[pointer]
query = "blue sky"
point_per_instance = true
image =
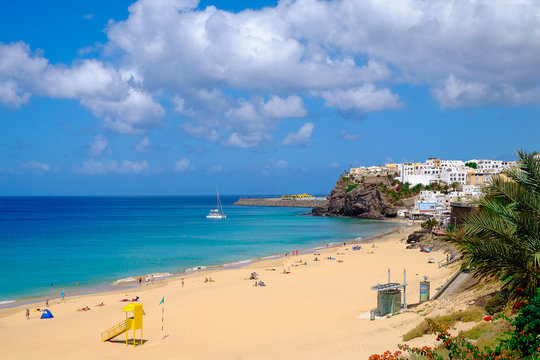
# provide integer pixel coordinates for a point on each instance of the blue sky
(256, 97)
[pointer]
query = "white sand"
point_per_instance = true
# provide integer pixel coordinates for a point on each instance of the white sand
(311, 313)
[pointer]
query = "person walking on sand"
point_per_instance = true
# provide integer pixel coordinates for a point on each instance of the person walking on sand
(27, 314)
(182, 282)
(47, 302)
(62, 295)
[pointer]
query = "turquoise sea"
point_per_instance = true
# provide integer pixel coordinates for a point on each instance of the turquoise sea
(49, 243)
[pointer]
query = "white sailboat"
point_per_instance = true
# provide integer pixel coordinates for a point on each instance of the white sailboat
(217, 213)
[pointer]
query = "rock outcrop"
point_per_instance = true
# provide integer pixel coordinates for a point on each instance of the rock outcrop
(363, 201)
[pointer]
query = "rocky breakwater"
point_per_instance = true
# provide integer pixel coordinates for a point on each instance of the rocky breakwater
(361, 200)
(282, 203)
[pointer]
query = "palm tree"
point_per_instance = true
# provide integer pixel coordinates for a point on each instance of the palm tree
(430, 224)
(502, 239)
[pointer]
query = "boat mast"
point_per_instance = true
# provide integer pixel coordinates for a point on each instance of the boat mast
(219, 202)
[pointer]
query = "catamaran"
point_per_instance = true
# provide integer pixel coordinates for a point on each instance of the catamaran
(217, 213)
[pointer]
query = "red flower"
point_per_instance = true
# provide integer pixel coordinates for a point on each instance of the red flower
(518, 305)
(487, 318)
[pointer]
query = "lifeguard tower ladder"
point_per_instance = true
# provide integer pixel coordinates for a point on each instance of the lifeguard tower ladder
(131, 323)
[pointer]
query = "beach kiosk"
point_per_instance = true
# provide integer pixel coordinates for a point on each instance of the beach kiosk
(132, 322)
(389, 296)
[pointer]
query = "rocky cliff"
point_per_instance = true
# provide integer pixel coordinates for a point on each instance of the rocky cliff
(363, 201)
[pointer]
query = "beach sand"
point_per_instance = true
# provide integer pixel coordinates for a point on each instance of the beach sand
(318, 311)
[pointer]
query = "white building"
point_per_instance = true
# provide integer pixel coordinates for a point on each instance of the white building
(452, 164)
(487, 166)
(455, 174)
(473, 191)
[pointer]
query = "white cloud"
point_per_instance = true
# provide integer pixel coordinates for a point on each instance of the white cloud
(143, 145)
(279, 164)
(334, 164)
(183, 165)
(314, 45)
(201, 131)
(35, 166)
(94, 167)
(274, 164)
(107, 91)
(88, 16)
(130, 115)
(347, 136)
(98, 145)
(10, 96)
(290, 107)
(216, 168)
(235, 76)
(301, 137)
(246, 141)
(366, 98)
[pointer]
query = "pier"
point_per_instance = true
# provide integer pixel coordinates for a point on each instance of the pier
(305, 203)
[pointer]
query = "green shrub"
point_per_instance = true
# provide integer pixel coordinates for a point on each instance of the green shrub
(525, 337)
(472, 314)
(350, 187)
(418, 331)
(496, 303)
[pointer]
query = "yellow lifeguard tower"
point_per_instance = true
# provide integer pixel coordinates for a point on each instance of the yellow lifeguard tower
(131, 323)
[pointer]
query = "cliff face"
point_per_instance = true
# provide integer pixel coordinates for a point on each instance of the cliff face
(365, 201)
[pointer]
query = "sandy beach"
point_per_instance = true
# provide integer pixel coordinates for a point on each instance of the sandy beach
(317, 311)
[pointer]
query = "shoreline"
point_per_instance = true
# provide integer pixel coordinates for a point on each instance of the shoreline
(97, 289)
(315, 305)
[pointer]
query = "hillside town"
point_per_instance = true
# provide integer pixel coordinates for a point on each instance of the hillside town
(443, 185)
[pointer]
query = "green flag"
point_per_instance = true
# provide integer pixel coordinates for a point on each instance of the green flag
(162, 301)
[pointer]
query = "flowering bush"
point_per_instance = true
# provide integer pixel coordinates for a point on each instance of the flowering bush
(387, 355)
(524, 341)
(526, 336)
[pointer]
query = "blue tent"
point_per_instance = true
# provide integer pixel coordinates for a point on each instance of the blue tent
(46, 314)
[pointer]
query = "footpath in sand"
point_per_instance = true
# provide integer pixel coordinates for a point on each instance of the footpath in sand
(317, 311)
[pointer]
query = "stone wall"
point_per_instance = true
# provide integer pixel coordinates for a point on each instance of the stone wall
(282, 203)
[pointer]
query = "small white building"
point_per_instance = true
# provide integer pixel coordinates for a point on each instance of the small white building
(452, 164)
(473, 191)
(487, 166)
(455, 174)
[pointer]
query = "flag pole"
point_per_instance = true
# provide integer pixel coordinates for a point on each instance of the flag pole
(162, 303)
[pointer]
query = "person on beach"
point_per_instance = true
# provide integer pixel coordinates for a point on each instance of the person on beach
(182, 282)
(62, 295)
(47, 302)
(140, 281)
(77, 284)
(27, 314)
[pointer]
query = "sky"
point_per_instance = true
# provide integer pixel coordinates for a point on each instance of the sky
(180, 97)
